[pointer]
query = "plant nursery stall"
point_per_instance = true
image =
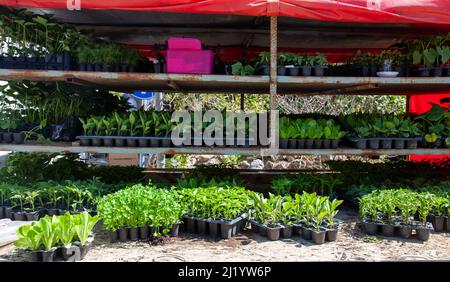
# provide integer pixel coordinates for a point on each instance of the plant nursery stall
(81, 52)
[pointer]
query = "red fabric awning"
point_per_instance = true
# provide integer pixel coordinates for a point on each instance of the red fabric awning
(362, 11)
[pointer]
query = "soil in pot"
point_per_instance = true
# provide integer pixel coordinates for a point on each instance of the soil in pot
(273, 233)
(286, 231)
(85, 142)
(113, 236)
(399, 144)
(331, 235)
(438, 223)
(32, 216)
(386, 144)
(131, 143)
(292, 144)
(374, 144)
(306, 233)
(309, 143)
(97, 142)
(123, 234)
(174, 230)
(370, 228)
(18, 138)
(318, 236)
(143, 232)
(142, 142)
(119, 142)
(405, 231)
(284, 144)
(108, 142)
(423, 233)
(387, 230)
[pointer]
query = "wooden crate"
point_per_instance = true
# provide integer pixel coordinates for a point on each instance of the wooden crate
(123, 159)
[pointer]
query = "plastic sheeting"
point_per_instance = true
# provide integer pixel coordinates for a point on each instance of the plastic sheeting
(363, 11)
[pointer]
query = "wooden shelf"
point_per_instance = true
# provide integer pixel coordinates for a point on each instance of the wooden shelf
(193, 83)
(67, 147)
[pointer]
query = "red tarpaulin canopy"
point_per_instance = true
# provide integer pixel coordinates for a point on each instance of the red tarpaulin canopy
(363, 11)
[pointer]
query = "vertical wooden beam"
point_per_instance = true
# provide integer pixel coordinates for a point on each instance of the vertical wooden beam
(273, 82)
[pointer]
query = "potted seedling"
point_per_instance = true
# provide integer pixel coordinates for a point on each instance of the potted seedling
(407, 206)
(285, 132)
(424, 206)
(438, 209)
(132, 129)
(274, 205)
(84, 224)
(318, 232)
(30, 200)
(239, 69)
(318, 66)
(330, 208)
(369, 213)
(122, 125)
(66, 234)
(7, 124)
(296, 60)
(264, 63)
(17, 202)
(283, 60)
(109, 124)
(88, 128)
(146, 124)
(98, 130)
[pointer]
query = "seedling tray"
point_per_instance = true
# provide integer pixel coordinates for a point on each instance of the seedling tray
(422, 233)
(440, 223)
(384, 142)
(214, 228)
(62, 61)
(309, 144)
(75, 252)
(140, 233)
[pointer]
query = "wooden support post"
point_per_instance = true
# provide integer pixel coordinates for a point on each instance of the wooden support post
(273, 83)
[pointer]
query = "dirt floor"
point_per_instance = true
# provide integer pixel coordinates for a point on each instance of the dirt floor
(351, 245)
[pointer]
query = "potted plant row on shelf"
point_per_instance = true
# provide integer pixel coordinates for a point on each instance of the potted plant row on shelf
(320, 183)
(215, 211)
(400, 212)
(140, 212)
(307, 215)
(293, 64)
(48, 198)
(59, 238)
(376, 131)
(436, 127)
(309, 133)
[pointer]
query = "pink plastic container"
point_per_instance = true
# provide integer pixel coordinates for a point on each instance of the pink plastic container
(176, 43)
(190, 61)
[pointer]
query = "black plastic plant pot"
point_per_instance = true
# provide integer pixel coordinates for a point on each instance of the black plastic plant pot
(2, 212)
(35, 256)
(262, 230)
(281, 70)
(166, 143)
(151, 231)
(32, 216)
(423, 233)
(113, 236)
(399, 144)
(213, 229)
(326, 143)
(437, 71)
(143, 232)
(123, 234)
(18, 138)
(318, 236)
(404, 231)
(360, 143)
(142, 142)
(7, 137)
(286, 231)
(309, 143)
(154, 143)
(226, 231)
(446, 71)
(306, 70)
(273, 233)
(131, 142)
(386, 144)
(201, 225)
(422, 72)
(411, 144)
(388, 230)
(66, 251)
(7, 212)
(373, 70)
(134, 233)
(119, 142)
(84, 250)
(374, 144)
(190, 225)
(331, 235)
(438, 223)
(48, 256)
(82, 67)
(318, 143)
(297, 230)
(108, 142)
(284, 144)
(174, 230)
(98, 67)
(19, 216)
(85, 142)
(301, 143)
(447, 223)
(334, 144)
(370, 228)
(97, 142)
(295, 71)
(306, 233)
(292, 144)
(265, 70)
(365, 71)
(318, 70)
(90, 67)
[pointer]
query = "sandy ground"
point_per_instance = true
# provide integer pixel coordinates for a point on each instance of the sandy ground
(351, 245)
